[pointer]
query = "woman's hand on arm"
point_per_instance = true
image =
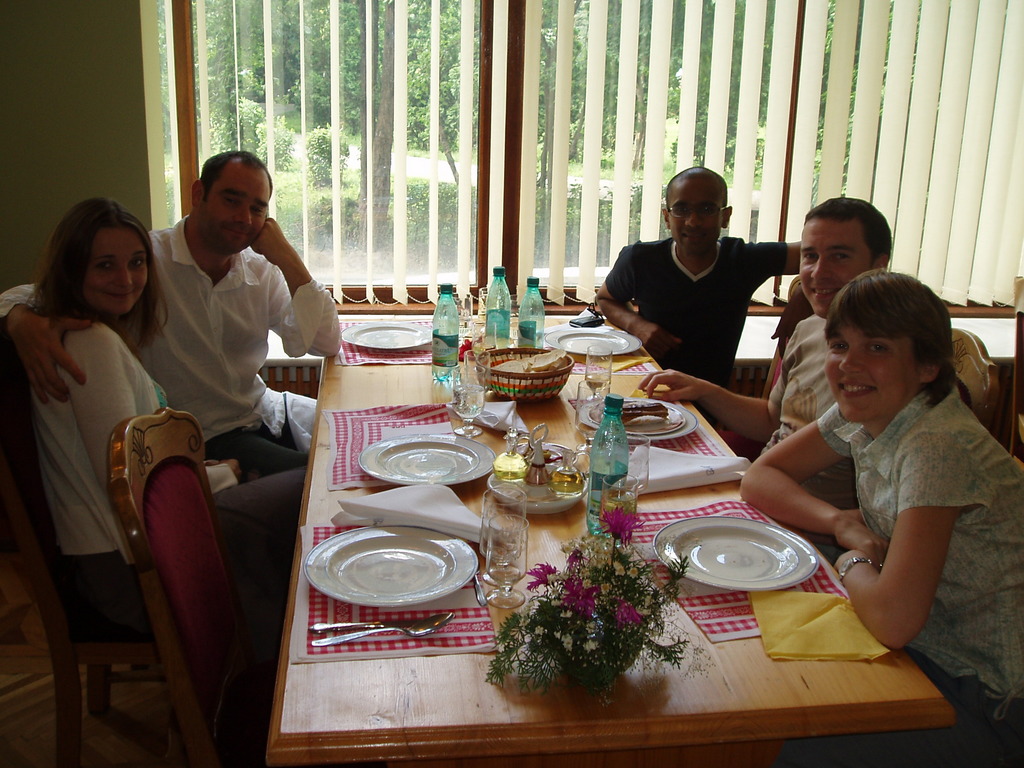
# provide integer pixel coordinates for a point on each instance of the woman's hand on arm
(894, 601)
(772, 484)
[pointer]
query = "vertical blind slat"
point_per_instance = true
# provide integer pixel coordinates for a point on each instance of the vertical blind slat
(949, 136)
(721, 77)
(837, 102)
(657, 113)
(336, 156)
(528, 164)
(559, 181)
(592, 128)
(269, 75)
(498, 92)
(625, 125)
(400, 169)
(689, 79)
(868, 99)
(467, 177)
(924, 102)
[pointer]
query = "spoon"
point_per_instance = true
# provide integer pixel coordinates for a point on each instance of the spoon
(416, 628)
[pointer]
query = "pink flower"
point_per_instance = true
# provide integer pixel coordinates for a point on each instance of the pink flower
(580, 599)
(621, 525)
(626, 614)
(574, 559)
(540, 573)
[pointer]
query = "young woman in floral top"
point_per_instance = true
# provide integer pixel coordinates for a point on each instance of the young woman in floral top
(934, 560)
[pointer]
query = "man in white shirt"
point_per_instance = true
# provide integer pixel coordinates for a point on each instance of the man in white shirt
(228, 276)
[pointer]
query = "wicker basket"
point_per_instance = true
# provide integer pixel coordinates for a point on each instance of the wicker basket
(524, 386)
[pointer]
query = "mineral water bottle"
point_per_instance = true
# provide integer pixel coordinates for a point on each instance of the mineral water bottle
(609, 456)
(531, 316)
(445, 343)
(499, 311)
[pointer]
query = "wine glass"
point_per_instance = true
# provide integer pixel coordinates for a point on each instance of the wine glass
(640, 460)
(619, 492)
(468, 403)
(499, 499)
(598, 371)
(505, 548)
(587, 406)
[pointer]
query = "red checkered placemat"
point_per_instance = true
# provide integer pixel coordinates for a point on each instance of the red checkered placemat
(698, 441)
(352, 431)
(724, 614)
(353, 354)
(471, 631)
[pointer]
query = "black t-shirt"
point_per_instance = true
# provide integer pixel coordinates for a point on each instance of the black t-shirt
(708, 315)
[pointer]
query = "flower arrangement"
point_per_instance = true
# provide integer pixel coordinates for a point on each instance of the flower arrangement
(604, 613)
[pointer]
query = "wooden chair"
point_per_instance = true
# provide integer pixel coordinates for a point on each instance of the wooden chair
(1017, 415)
(75, 634)
(977, 375)
(160, 491)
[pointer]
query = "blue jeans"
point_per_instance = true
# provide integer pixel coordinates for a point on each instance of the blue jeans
(977, 740)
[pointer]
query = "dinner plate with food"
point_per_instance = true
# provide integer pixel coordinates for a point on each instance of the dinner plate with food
(643, 416)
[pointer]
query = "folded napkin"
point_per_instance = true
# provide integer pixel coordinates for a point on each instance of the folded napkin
(810, 625)
(670, 470)
(499, 416)
(427, 506)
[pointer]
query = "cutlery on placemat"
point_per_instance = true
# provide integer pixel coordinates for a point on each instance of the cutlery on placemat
(416, 628)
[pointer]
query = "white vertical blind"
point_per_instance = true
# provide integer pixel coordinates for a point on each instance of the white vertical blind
(592, 128)
(531, 110)
(270, 75)
(867, 99)
(657, 113)
(370, 54)
(721, 76)
(688, 81)
(625, 124)
(336, 156)
(202, 81)
(401, 158)
(1000, 235)
(837, 103)
(558, 215)
(498, 92)
(467, 176)
(748, 108)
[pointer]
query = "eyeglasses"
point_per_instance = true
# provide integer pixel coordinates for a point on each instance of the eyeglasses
(706, 211)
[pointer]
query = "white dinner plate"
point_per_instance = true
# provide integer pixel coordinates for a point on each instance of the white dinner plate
(387, 335)
(576, 340)
(679, 422)
(736, 553)
(390, 565)
(421, 459)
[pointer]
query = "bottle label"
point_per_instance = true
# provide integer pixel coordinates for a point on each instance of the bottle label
(445, 350)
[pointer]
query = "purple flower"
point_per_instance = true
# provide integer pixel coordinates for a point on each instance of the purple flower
(540, 574)
(580, 599)
(626, 614)
(621, 525)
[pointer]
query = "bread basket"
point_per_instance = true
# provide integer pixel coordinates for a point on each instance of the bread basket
(539, 385)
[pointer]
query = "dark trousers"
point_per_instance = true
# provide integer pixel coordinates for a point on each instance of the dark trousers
(257, 451)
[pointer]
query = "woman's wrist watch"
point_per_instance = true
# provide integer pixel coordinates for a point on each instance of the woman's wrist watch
(849, 563)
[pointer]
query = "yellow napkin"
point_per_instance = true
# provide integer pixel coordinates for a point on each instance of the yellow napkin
(619, 362)
(812, 625)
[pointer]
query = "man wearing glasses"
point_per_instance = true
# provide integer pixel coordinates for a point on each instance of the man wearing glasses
(686, 297)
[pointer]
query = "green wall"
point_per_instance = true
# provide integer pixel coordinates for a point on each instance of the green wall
(73, 122)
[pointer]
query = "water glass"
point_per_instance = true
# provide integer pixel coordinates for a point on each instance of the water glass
(501, 499)
(468, 403)
(598, 373)
(507, 538)
(619, 491)
(588, 412)
(640, 460)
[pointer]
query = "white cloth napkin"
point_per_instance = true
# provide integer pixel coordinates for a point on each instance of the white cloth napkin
(499, 416)
(427, 506)
(670, 470)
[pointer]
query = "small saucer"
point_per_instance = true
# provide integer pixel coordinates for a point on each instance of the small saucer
(540, 500)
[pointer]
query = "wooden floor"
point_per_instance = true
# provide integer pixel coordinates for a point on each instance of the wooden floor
(132, 733)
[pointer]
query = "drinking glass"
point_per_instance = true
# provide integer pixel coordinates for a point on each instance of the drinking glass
(619, 491)
(598, 372)
(472, 370)
(588, 412)
(468, 402)
(501, 499)
(640, 460)
(506, 544)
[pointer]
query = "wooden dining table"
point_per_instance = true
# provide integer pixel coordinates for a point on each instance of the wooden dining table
(440, 711)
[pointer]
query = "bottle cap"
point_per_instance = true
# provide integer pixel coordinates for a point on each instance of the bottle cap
(613, 403)
(533, 281)
(499, 271)
(446, 287)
